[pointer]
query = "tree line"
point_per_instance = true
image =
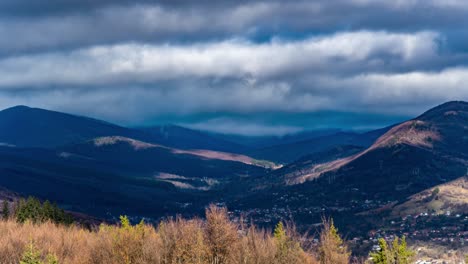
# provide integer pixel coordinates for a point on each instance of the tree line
(32, 209)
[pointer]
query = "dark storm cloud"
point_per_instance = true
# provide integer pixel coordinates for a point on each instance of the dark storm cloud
(35, 26)
(135, 61)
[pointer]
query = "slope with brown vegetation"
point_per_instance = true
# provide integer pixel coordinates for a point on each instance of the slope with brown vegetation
(451, 196)
(440, 131)
(214, 241)
(201, 153)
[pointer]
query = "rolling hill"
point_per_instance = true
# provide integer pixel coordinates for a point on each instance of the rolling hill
(185, 138)
(408, 159)
(106, 177)
(450, 197)
(23, 126)
(61, 157)
(145, 159)
(293, 150)
(422, 146)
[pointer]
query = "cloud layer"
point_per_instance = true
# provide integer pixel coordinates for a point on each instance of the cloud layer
(134, 61)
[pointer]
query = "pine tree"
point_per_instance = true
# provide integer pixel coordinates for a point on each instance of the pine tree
(35, 208)
(31, 255)
(125, 222)
(394, 250)
(5, 210)
(47, 212)
(397, 254)
(35, 211)
(280, 233)
(289, 249)
(332, 249)
(20, 212)
(281, 241)
(382, 255)
(404, 255)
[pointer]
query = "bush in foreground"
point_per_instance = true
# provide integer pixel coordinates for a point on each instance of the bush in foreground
(215, 240)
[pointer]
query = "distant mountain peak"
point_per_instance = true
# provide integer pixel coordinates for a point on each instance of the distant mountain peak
(438, 124)
(451, 108)
(441, 129)
(17, 107)
(415, 132)
(452, 104)
(24, 126)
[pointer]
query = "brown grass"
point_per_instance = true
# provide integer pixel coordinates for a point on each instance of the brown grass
(414, 133)
(452, 196)
(214, 241)
(203, 153)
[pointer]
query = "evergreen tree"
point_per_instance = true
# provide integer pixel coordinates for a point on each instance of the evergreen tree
(397, 254)
(33, 210)
(288, 248)
(382, 255)
(332, 249)
(19, 211)
(31, 255)
(280, 233)
(393, 252)
(404, 255)
(125, 222)
(48, 212)
(281, 240)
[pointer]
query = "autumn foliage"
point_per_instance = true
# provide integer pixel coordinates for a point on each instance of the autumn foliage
(216, 240)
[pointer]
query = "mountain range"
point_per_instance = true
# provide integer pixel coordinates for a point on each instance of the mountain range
(401, 166)
(102, 169)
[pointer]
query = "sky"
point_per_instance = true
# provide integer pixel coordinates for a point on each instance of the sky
(235, 66)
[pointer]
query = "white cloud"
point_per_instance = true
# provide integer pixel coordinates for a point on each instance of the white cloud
(165, 23)
(388, 93)
(351, 71)
(399, 93)
(132, 62)
(140, 63)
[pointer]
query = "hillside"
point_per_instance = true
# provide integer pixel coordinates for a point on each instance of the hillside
(135, 157)
(184, 138)
(451, 198)
(294, 150)
(23, 126)
(412, 157)
(33, 127)
(265, 141)
(437, 135)
(121, 175)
